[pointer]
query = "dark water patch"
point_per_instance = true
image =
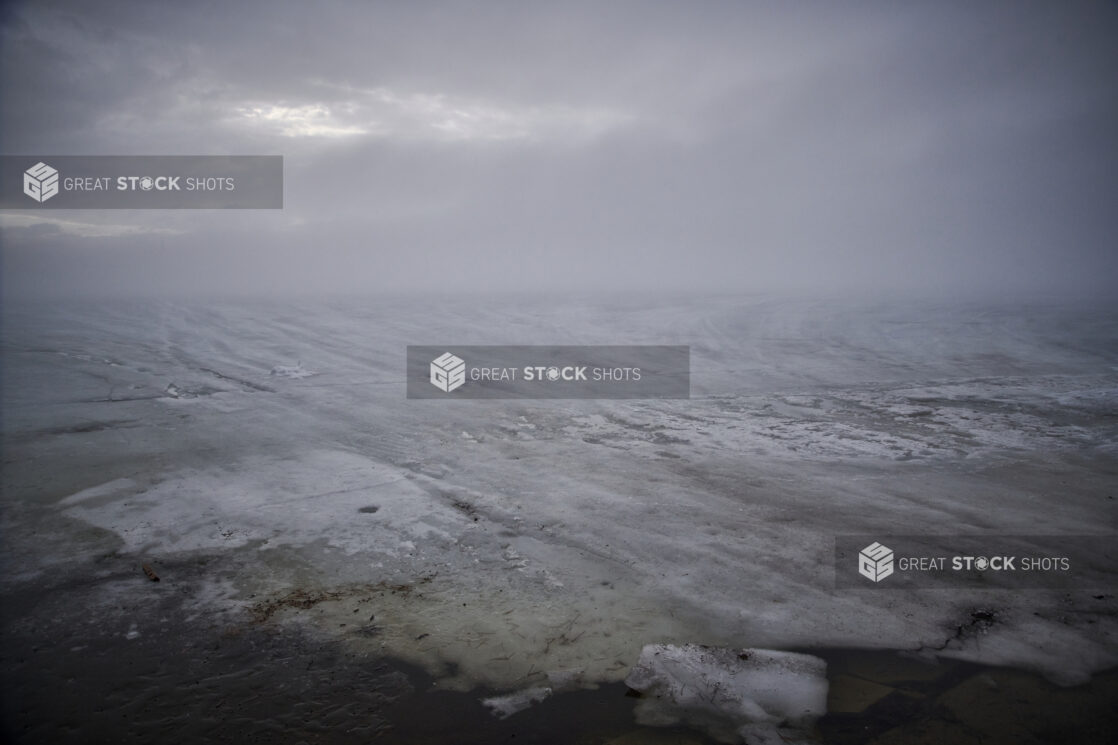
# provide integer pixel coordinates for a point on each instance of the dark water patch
(154, 674)
(886, 697)
(168, 685)
(602, 715)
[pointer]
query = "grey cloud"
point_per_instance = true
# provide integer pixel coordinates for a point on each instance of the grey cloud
(644, 145)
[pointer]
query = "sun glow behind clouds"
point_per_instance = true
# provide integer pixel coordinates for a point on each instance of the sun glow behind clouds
(311, 120)
(384, 113)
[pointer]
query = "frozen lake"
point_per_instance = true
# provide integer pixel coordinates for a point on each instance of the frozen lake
(263, 459)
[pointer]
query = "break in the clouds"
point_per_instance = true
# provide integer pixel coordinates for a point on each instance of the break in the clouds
(388, 114)
(947, 147)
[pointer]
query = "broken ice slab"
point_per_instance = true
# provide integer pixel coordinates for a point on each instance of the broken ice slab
(756, 695)
(558, 681)
(507, 705)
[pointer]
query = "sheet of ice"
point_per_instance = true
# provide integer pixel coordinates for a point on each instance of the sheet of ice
(270, 503)
(575, 532)
(758, 696)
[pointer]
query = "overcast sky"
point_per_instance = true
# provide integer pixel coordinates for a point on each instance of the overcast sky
(956, 147)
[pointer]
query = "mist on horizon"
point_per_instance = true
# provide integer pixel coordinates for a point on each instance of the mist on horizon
(935, 150)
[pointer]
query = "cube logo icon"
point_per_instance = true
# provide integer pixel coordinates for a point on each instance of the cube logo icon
(40, 182)
(875, 562)
(448, 372)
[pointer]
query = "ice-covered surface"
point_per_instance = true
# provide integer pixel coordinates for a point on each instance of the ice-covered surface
(501, 540)
(758, 696)
(292, 371)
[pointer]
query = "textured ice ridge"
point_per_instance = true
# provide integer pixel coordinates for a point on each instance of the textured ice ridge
(755, 696)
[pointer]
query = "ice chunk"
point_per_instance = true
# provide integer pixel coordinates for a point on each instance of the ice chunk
(559, 682)
(507, 705)
(291, 371)
(736, 695)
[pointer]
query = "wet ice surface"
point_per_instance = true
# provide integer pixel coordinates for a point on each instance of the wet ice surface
(505, 542)
(758, 695)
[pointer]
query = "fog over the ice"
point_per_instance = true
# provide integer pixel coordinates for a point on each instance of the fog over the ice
(913, 147)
